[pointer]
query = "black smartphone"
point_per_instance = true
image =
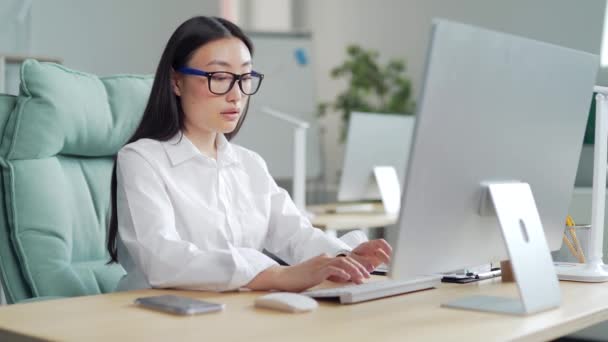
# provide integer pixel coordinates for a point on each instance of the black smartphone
(178, 304)
(458, 279)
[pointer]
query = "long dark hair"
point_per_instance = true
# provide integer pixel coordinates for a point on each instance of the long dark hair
(163, 117)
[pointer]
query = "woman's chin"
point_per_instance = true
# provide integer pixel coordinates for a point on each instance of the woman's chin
(228, 127)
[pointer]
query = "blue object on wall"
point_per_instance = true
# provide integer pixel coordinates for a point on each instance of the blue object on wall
(286, 60)
(301, 56)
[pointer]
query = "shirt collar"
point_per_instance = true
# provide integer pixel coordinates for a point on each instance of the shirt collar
(180, 149)
(225, 151)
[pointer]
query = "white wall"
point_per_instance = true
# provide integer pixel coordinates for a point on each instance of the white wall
(110, 36)
(400, 29)
(113, 36)
(270, 15)
(266, 15)
(14, 26)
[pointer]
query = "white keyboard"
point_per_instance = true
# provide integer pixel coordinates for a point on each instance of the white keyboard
(376, 289)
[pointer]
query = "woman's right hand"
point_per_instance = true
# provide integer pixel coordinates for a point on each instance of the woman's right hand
(309, 273)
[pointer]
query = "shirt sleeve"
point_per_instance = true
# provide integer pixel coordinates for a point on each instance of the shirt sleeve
(147, 229)
(291, 235)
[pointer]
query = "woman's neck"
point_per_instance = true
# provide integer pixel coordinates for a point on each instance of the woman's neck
(204, 142)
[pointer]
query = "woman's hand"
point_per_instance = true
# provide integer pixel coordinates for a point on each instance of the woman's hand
(372, 253)
(310, 273)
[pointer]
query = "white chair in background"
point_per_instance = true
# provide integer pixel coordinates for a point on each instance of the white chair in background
(299, 155)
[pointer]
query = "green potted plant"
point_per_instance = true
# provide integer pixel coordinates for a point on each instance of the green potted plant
(372, 87)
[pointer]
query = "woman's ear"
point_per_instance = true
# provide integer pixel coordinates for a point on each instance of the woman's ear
(176, 83)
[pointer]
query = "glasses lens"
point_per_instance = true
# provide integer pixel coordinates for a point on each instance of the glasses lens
(250, 83)
(220, 82)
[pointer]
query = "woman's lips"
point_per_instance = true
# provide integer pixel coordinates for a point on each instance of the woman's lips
(230, 115)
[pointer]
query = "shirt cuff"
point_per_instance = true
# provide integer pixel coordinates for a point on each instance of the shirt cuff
(343, 252)
(249, 263)
(339, 247)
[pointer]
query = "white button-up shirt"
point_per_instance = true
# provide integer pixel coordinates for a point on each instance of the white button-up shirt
(189, 221)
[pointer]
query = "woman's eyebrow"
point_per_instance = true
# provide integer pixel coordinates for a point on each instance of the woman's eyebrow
(225, 64)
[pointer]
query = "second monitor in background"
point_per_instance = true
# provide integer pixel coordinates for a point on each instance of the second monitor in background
(376, 144)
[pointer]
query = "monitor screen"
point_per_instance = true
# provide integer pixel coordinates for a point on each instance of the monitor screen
(494, 108)
(373, 139)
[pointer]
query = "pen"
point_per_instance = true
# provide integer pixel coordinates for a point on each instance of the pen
(570, 246)
(488, 275)
(576, 244)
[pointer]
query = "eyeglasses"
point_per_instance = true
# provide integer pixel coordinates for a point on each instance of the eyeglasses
(221, 82)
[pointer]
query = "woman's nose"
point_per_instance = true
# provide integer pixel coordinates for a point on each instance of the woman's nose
(235, 93)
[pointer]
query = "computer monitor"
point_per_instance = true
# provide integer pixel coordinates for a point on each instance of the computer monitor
(493, 108)
(374, 139)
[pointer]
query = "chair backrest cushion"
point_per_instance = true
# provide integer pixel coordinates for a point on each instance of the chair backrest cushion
(9, 264)
(57, 153)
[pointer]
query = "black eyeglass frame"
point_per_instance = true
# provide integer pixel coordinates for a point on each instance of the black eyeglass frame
(235, 78)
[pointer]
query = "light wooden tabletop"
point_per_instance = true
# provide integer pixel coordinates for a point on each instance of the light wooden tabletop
(325, 218)
(414, 316)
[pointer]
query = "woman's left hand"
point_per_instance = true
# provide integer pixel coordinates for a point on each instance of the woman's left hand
(372, 253)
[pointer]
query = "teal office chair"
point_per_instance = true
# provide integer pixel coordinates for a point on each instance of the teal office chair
(58, 140)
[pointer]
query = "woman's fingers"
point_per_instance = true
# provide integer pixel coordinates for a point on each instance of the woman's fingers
(359, 266)
(352, 267)
(382, 256)
(332, 271)
(382, 244)
(367, 262)
(370, 265)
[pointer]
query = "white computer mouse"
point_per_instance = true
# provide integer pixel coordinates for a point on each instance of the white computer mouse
(286, 301)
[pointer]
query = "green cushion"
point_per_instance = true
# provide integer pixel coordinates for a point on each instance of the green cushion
(7, 103)
(74, 113)
(57, 154)
(10, 270)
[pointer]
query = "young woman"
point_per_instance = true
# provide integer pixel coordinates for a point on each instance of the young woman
(191, 210)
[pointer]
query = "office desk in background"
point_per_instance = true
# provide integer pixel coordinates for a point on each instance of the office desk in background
(332, 222)
(414, 316)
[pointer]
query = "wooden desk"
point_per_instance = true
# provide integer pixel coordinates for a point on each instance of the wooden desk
(414, 316)
(332, 222)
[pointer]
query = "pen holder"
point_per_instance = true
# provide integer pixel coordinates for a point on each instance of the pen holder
(564, 254)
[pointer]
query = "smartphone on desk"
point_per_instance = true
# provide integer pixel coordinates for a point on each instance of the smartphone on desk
(178, 305)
